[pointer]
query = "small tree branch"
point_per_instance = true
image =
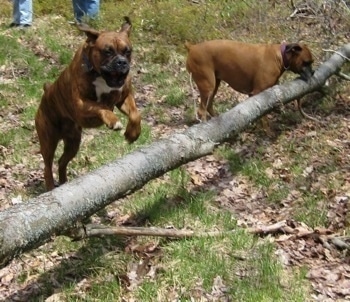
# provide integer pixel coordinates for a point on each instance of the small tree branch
(338, 53)
(81, 232)
(95, 230)
(269, 229)
(304, 114)
(343, 76)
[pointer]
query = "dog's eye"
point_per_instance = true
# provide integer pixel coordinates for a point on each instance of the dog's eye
(127, 52)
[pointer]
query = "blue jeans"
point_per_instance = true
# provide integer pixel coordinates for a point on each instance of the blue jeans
(85, 8)
(22, 12)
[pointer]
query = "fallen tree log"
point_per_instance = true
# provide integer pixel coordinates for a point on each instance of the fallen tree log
(28, 225)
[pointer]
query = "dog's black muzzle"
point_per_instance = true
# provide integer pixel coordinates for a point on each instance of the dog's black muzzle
(115, 71)
(306, 73)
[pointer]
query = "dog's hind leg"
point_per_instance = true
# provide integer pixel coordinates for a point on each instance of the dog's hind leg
(48, 152)
(71, 140)
(210, 108)
(48, 140)
(207, 87)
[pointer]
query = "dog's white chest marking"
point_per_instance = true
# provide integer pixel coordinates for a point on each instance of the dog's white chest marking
(102, 87)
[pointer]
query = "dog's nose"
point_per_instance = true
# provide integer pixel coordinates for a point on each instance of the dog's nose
(118, 65)
(306, 73)
(121, 63)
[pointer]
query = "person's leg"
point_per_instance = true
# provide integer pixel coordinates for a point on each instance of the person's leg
(92, 8)
(85, 8)
(78, 9)
(24, 13)
(15, 13)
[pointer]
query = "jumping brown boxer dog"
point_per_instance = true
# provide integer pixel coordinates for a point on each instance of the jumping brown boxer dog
(247, 68)
(84, 96)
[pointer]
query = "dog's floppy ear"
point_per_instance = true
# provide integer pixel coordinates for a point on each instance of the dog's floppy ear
(92, 34)
(293, 48)
(126, 27)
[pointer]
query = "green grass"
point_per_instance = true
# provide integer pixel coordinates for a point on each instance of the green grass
(175, 97)
(312, 206)
(13, 139)
(312, 210)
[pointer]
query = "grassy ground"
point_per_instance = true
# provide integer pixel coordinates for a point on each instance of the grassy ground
(301, 175)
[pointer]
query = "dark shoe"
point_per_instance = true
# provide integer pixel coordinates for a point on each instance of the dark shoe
(19, 25)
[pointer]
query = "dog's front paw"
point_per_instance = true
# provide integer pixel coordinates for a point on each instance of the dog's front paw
(117, 126)
(132, 133)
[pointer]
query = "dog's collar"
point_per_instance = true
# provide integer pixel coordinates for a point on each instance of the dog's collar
(87, 64)
(284, 58)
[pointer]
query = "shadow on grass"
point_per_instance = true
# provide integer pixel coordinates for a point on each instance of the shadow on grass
(84, 262)
(69, 271)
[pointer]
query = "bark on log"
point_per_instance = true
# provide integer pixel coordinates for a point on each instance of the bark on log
(28, 225)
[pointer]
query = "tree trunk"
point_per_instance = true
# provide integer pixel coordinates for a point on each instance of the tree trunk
(28, 225)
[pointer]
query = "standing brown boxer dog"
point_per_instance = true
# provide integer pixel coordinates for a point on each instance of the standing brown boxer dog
(84, 96)
(247, 68)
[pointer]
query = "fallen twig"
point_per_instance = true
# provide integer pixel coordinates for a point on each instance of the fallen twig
(269, 229)
(95, 230)
(338, 53)
(343, 76)
(304, 114)
(339, 243)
